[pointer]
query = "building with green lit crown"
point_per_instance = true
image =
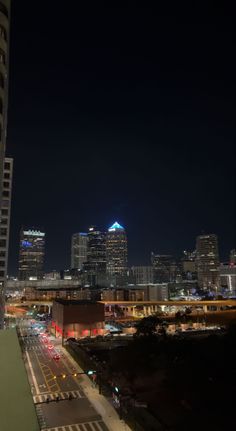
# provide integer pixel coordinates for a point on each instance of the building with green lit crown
(116, 250)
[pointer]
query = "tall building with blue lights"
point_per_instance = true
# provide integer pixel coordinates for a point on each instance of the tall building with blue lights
(31, 257)
(116, 250)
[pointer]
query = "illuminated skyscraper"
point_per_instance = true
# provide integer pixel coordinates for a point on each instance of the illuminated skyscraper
(96, 256)
(4, 62)
(79, 249)
(31, 257)
(116, 250)
(207, 262)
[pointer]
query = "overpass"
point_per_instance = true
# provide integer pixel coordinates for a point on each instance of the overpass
(149, 307)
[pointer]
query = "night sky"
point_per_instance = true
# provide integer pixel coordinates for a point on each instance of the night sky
(121, 114)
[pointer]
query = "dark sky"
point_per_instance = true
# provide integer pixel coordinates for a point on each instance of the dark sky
(122, 114)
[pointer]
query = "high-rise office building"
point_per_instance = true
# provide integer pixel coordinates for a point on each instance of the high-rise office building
(116, 250)
(31, 256)
(96, 254)
(207, 262)
(4, 67)
(79, 249)
(164, 267)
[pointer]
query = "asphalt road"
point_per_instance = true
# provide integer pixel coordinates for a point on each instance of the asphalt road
(50, 379)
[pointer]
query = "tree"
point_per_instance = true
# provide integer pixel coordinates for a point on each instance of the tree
(147, 326)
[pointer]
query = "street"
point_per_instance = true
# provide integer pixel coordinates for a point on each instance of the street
(61, 403)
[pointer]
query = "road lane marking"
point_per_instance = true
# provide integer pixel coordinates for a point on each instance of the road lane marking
(42, 398)
(85, 426)
(32, 373)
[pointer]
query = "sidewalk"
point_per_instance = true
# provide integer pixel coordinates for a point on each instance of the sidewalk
(100, 403)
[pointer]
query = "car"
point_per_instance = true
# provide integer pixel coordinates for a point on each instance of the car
(50, 346)
(56, 357)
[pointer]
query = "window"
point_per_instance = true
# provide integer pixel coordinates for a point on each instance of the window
(3, 243)
(3, 231)
(6, 184)
(4, 221)
(2, 253)
(3, 9)
(7, 166)
(2, 273)
(5, 193)
(2, 263)
(5, 211)
(7, 176)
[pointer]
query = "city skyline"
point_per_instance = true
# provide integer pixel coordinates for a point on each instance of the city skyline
(145, 138)
(73, 253)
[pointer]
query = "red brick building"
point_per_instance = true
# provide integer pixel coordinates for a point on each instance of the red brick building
(73, 318)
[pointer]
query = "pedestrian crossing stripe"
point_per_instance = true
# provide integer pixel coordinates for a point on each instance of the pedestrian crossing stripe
(62, 395)
(85, 426)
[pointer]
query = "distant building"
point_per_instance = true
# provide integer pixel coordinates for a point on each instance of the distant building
(96, 255)
(77, 318)
(188, 265)
(207, 261)
(53, 275)
(137, 292)
(79, 249)
(157, 292)
(116, 250)
(5, 218)
(232, 257)
(228, 278)
(164, 268)
(143, 274)
(31, 256)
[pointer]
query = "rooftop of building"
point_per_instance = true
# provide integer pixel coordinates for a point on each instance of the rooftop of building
(17, 411)
(115, 226)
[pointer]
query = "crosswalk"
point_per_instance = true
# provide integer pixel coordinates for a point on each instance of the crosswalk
(40, 416)
(42, 398)
(86, 426)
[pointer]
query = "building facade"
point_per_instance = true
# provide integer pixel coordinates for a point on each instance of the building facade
(116, 250)
(31, 256)
(96, 255)
(5, 218)
(79, 249)
(207, 262)
(228, 278)
(188, 265)
(4, 68)
(143, 274)
(78, 318)
(164, 268)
